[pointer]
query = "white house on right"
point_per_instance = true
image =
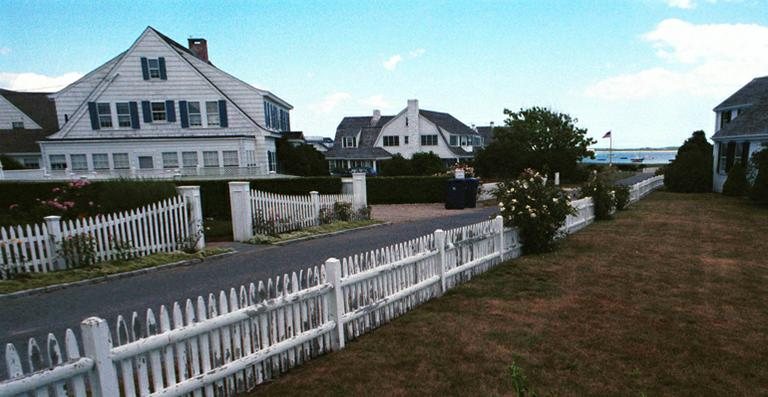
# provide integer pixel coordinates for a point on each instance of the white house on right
(741, 128)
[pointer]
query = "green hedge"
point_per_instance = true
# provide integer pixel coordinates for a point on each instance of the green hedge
(106, 196)
(215, 194)
(406, 189)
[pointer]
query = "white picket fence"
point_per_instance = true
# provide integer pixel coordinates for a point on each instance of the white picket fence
(642, 189)
(228, 343)
(159, 227)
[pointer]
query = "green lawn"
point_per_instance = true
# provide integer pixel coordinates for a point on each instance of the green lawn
(36, 280)
(313, 231)
(667, 299)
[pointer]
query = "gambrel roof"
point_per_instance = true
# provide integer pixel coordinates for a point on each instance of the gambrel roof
(38, 107)
(755, 91)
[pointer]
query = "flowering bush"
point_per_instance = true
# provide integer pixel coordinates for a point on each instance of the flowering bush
(536, 209)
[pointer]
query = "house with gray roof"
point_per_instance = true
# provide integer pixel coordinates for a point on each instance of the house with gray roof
(25, 119)
(363, 142)
(741, 128)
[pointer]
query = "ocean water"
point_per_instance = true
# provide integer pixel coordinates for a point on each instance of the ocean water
(654, 157)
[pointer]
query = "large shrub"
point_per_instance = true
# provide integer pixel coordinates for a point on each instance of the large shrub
(736, 184)
(10, 163)
(301, 160)
(759, 190)
(406, 189)
(621, 194)
(426, 164)
(396, 166)
(603, 197)
(538, 210)
(691, 171)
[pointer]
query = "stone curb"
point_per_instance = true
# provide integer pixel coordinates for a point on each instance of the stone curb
(316, 236)
(115, 276)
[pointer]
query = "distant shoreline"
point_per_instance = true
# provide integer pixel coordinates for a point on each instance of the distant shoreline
(664, 149)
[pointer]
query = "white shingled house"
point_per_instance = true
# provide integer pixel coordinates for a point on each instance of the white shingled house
(160, 107)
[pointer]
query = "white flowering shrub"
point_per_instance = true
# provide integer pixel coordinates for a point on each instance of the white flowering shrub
(538, 210)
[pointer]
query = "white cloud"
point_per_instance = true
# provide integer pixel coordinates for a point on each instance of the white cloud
(37, 82)
(708, 60)
(330, 102)
(376, 102)
(684, 4)
(417, 52)
(391, 63)
(5, 50)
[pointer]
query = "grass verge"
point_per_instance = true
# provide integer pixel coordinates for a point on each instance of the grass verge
(667, 299)
(312, 231)
(36, 280)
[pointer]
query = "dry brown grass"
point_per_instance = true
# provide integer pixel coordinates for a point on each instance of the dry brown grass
(668, 299)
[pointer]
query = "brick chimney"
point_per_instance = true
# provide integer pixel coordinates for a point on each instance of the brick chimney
(199, 47)
(376, 117)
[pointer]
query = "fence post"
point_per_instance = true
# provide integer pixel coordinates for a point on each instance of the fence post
(315, 197)
(499, 226)
(240, 205)
(53, 224)
(440, 244)
(191, 195)
(336, 304)
(557, 179)
(359, 191)
(98, 346)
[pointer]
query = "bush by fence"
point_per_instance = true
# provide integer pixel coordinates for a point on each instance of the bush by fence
(406, 189)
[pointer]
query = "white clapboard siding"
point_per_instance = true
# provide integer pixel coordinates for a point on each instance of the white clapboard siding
(285, 213)
(228, 343)
(24, 249)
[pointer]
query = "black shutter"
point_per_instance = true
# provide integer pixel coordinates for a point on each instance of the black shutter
(161, 62)
(183, 115)
(146, 109)
(223, 114)
(134, 108)
(94, 115)
(144, 68)
(170, 112)
(745, 154)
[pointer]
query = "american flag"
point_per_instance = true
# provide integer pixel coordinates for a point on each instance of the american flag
(607, 135)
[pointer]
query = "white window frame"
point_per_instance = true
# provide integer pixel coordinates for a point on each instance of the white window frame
(123, 119)
(105, 119)
(390, 140)
(100, 161)
(272, 161)
(230, 158)
(349, 141)
(195, 117)
(186, 158)
(153, 70)
(170, 159)
(429, 140)
(208, 157)
(213, 118)
(158, 115)
(79, 162)
(17, 125)
(121, 161)
(58, 161)
(454, 140)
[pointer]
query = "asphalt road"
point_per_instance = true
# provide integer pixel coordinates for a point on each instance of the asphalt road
(37, 315)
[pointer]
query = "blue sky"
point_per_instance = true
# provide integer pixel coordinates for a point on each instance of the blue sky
(649, 70)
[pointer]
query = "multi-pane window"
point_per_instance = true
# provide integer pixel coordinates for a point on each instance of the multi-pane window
(212, 112)
(17, 124)
(722, 156)
(195, 117)
(272, 161)
(189, 159)
(170, 160)
(100, 161)
(123, 114)
(391, 141)
(210, 159)
(79, 162)
(276, 117)
(120, 161)
(105, 115)
(158, 111)
(349, 141)
(250, 158)
(454, 140)
(146, 162)
(154, 68)
(477, 141)
(725, 118)
(58, 161)
(229, 158)
(405, 140)
(429, 140)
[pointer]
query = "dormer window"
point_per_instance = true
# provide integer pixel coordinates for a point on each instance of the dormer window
(725, 118)
(17, 125)
(349, 141)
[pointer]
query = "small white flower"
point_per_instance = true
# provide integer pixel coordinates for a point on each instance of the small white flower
(501, 205)
(533, 215)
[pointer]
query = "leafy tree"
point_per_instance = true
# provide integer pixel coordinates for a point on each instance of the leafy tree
(537, 138)
(302, 160)
(736, 184)
(426, 164)
(10, 163)
(691, 171)
(396, 166)
(759, 191)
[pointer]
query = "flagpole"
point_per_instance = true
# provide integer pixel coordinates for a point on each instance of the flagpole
(610, 150)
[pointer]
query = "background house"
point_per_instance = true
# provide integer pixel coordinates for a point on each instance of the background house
(362, 142)
(25, 118)
(741, 128)
(160, 107)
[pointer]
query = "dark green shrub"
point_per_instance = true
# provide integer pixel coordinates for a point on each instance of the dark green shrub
(759, 190)
(691, 171)
(396, 166)
(603, 197)
(661, 170)
(406, 189)
(342, 211)
(426, 164)
(302, 160)
(621, 194)
(736, 184)
(10, 163)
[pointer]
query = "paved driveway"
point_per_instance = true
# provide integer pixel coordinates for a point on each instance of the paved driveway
(35, 316)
